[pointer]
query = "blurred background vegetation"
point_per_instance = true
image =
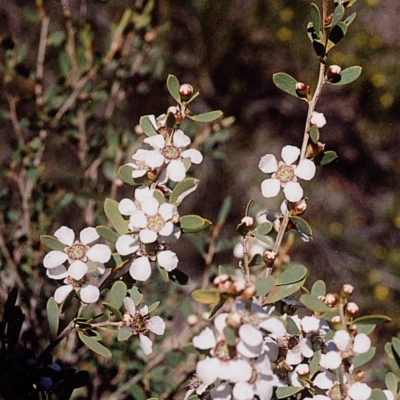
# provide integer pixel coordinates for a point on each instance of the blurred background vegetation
(76, 75)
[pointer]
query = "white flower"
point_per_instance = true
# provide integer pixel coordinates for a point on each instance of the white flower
(195, 385)
(359, 391)
(342, 339)
(221, 392)
(310, 324)
(78, 278)
(140, 324)
(318, 119)
(171, 154)
(361, 344)
(154, 220)
(75, 250)
(285, 174)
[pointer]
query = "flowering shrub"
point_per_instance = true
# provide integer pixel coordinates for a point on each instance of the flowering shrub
(267, 334)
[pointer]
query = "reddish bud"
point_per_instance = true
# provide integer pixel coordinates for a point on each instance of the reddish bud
(177, 114)
(269, 256)
(331, 299)
(248, 221)
(348, 289)
(186, 90)
(352, 308)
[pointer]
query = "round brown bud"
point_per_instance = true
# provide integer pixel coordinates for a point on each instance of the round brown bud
(313, 149)
(352, 308)
(186, 90)
(331, 299)
(359, 375)
(249, 292)
(298, 208)
(269, 256)
(333, 73)
(234, 320)
(348, 289)
(336, 320)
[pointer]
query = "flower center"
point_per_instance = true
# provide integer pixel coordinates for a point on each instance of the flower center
(76, 284)
(141, 165)
(139, 323)
(224, 352)
(285, 173)
(171, 152)
(195, 382)
(77, 251)
(155, 222)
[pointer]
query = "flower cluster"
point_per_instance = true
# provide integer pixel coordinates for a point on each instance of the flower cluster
(85, 264)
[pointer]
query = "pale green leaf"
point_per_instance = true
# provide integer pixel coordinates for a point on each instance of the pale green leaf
(118, 293)
(94, 345)
(193, 223)
(147, 126)
(264, 286)
(52, 316)
(183, 189)
(124, 333)
(52, 243)
(206, 296)
(338, 14)
(173, 86)
(318, 289)
(315, 18)
(362, 359)
(291, 275)
(114, 216)
(313, 303)
(207, 117)
(106, 233)
(372, 319)
(283, 392)
(348, 75)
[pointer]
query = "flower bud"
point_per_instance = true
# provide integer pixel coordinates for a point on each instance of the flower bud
(269, 256)
(186, 90)
(302, 369)
(352, 308)
(234, 320)
(331, 299)
(239, 285)
(220, 279)
(192, 320)
(301, 89)
(248, 221)
(336, 322)
(313, 150)
(177, 114)
(333, 73)
(359, 375)
(317, 119)
(348, 289)
(298, 208)
(249, 292)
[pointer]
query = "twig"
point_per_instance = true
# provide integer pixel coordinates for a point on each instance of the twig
(40, 62)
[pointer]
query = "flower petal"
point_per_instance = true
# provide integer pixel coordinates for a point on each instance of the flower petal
(99, 253)
(250, 335)
(147, 236)
(157, 325)
(77, 270)
(54, 259)
(62, 292)
(268, 164)
(205, 340)
(59, 272)
(360, 391)
(167, 259)
(290, 154)
(293, 191)
(362, 343)
(176, 171)
(126, 244)
(140, 269)
(88, 235)
(65, 235)
(180, 139)
(130, 306)
(154, 159)
(305, 170)
(150, 206)
(126, 207)
(270, 187)
(207, 370)
(195, 156)
(146, 344)
(155, 141)
(89, 293)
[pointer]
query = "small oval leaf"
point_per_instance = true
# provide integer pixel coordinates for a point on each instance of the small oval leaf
(193, 223)
(147, 126)
(318, 289)
(313, 303)
(264, 228)
(362, 359)
(52, 316)
(183, 189)
(114, 310)
(372, 319)
(283, 392)
(206, 296)
(118, 293)
(124, 333)
(291, 275)
(280, 292)
(348, 75)
(207, 117)
(286, 83)
(116, 219)
(328, 157)
(173, 86)
(106, 233)
(94, 345)
(315, 18)
(52, 243)
(338, 14)
(264, 286)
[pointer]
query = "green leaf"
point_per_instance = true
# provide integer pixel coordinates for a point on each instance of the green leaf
(337, 14)
(286, 83)
(313, 303)
(215, 309)
(337, 33)
(314, 363)
(124, 333)
(280, 292)
(264, 228)
(302, 225)
(153, 306)
(350, 19)
(118, 293)
(318, 289)
(291, 326)
(267, 240)
(314, 134)
(315, 18)
(206, 296)
(283, 392)
(159, 196)
(183, 189)
(173, 86)
(362, 359)
(116, 219)
(94, 345)
(291, 275)
(372, 319)
(178, 277)
(147, 126)
(264, 286)
(207, 117)
(135, 295)
(377, 394)
(257, 259)
(114, 310)
(230, 336)
(52, 243)
(106, 233)
(328, 157)
(125, 174)
(52, 316)
(348, 75)
(193, 223)
(224, 210)
(392, 381)
(396, 345)
(365, 328)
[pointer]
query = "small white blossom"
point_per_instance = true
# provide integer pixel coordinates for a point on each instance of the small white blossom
(140, 324)
(285, 175)
(318, 119)
(361, 344)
